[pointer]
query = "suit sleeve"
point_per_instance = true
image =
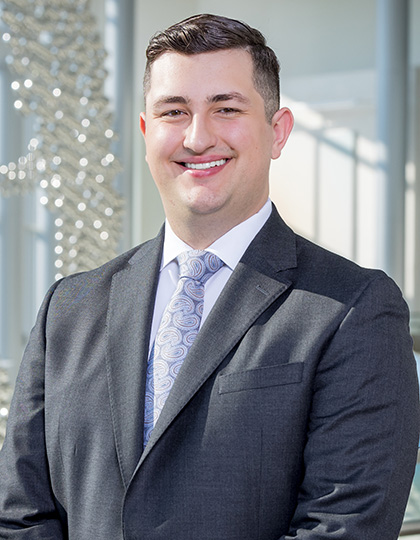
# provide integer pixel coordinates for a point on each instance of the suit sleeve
(363, 427)
(27, 506)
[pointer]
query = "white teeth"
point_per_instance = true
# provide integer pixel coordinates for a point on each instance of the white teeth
(209, 165)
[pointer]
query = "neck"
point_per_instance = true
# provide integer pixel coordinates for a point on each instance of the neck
(197, 236)
(201, 230)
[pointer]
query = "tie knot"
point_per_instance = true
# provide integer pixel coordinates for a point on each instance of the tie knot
(198, 265)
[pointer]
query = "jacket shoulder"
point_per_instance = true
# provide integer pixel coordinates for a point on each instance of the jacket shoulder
(92, 287)
(333, 275)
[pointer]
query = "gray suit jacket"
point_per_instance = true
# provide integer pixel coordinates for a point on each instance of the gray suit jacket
(295, 414)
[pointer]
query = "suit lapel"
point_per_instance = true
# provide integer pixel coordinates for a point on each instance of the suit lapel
(254, 285)
(128, 328)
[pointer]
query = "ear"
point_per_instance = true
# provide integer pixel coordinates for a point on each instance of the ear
(143, 123)
(282, 124)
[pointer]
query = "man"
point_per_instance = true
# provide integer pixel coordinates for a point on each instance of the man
(292, 413)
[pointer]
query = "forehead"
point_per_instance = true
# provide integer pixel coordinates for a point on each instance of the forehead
(210, 72)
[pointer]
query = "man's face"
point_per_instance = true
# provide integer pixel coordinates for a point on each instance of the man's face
(208, 143)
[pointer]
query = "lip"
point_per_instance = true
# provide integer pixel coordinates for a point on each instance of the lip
(200, 173)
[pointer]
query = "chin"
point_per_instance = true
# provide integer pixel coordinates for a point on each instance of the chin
(205, 208)
(204, 204)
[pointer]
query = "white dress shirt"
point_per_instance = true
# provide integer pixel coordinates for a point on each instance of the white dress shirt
(229, 248)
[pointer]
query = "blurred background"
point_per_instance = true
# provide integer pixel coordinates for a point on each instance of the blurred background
(75, 189)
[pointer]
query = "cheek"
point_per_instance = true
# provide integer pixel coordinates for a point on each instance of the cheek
(237, 135)
(165, 138)
(247, 138)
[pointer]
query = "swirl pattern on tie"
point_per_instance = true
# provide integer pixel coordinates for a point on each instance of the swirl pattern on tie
(177, 331)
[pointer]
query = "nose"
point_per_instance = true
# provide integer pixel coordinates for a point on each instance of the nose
(199, 135)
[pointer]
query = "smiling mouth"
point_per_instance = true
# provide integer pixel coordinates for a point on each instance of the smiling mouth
(204, 166)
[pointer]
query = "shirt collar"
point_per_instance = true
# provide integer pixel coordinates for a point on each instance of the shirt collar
(229, 248)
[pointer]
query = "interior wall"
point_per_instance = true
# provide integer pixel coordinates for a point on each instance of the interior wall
(325, 184)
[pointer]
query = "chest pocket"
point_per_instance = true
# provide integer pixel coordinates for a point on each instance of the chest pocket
(261, 377)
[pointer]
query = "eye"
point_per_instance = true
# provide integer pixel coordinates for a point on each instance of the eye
(173, 113)
(228, 111)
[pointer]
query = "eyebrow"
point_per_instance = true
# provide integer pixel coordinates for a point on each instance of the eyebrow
(167, 100)
(217, 98)
(235, 96)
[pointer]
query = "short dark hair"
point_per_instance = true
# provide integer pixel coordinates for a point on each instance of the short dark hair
(206, 33)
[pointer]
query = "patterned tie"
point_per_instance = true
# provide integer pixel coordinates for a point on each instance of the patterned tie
(177, 331)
